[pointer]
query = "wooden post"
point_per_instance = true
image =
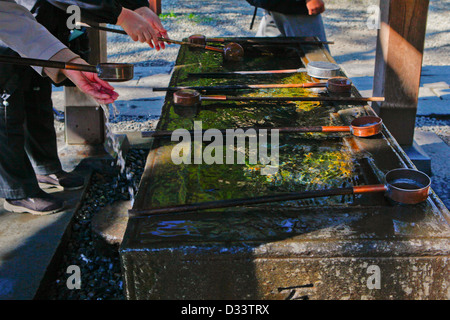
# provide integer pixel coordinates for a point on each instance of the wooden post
(398, 64)
(84, 119)
(155, 5)
(97, 43)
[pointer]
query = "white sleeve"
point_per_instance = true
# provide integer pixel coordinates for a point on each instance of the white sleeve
(20, 31)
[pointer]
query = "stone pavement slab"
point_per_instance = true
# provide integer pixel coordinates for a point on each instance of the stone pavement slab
(436, 148)
(439, 152)
(434, 93)
(29, 243)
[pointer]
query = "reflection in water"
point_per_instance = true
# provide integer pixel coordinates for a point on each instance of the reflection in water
(308, 161)
(303, 165)
(173, 228)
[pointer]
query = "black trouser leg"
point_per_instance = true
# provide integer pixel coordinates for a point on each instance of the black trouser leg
(17, 177)
(40, 135)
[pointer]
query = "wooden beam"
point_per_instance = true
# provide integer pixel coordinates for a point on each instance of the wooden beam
(398, 64)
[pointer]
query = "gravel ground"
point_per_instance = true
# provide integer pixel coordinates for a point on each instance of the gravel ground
(345, 22)
(439, 126)
(101, 277)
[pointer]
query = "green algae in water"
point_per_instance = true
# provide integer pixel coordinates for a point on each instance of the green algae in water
(194, 61)
(233, 114)
(301, 168)
(307, 161)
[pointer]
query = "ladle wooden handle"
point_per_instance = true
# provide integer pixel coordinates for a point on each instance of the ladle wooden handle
(256, 200)
(369, 189)
(247, 86)
(47, 63)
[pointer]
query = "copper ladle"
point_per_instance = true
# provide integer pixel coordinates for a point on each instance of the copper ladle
(315, 69)
(334, 85)
(365, 126)
(113, 72)
(406, 186)
(231, 52)
(202, 39)
(192, 98)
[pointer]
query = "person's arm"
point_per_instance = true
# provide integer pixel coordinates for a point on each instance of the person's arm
(136, 27)
(121, 13)
(142, 7)
(20, 31)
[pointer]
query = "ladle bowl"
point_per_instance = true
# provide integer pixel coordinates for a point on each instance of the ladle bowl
(407, 186)
(366, 126)
(115, 72)
(233, 52)
(186, 98)
(322, 69)
(339, 85)
(197, 39)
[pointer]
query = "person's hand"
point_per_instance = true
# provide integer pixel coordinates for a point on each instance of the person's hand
(138, 28)
(315, 7)
(91, 84)
(156, 24)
